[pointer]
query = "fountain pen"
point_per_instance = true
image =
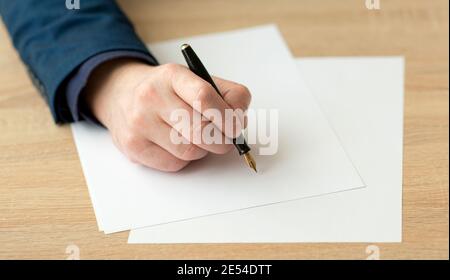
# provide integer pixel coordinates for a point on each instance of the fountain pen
(196, 66)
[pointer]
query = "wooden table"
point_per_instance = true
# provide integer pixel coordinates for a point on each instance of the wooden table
(44, 203)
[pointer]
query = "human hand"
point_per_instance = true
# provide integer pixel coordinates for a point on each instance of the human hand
(135, 102)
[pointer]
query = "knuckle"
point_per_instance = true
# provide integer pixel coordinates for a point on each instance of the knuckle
(204, 93)
(169, 68)
(145, 92)
(136, 120)
(131, 143)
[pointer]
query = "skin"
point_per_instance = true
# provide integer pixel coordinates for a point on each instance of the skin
(134, 101)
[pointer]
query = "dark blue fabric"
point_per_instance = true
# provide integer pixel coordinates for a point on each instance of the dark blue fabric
(54, 41)
(79, 80)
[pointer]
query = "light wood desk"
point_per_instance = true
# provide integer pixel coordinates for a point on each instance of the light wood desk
(44, 202)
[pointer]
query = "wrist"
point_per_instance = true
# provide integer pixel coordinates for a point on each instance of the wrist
(108, 82)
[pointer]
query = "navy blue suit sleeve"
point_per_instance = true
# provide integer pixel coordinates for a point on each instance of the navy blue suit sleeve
(54, 41)
(78, 81)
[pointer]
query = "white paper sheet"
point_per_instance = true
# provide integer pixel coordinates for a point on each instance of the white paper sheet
(310, 160)
(363, 99)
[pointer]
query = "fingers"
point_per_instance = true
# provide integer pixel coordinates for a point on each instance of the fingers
(201, 96)
(183, 150)
(154, 156)
(140, 150)
(192, 127)
(148, 133)
(235, 95)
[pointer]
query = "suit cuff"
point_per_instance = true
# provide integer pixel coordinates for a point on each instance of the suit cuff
(78, 80)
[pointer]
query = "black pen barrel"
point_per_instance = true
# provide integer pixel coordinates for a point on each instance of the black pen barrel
(196, 66)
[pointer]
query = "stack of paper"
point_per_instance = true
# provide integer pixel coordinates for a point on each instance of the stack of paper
(335, 177)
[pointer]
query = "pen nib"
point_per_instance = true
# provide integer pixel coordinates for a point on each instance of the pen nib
(250, 161)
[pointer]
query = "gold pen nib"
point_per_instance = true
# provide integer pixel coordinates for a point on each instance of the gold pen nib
(250, 161)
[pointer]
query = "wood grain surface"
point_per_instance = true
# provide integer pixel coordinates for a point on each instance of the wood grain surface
(44, 202)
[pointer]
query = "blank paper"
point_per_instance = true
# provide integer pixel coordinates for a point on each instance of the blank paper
(363, 100)
(310, 160)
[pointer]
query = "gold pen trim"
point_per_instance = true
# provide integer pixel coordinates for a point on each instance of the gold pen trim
(250, 161)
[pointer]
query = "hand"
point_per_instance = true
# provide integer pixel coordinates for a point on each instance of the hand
(135, 101)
